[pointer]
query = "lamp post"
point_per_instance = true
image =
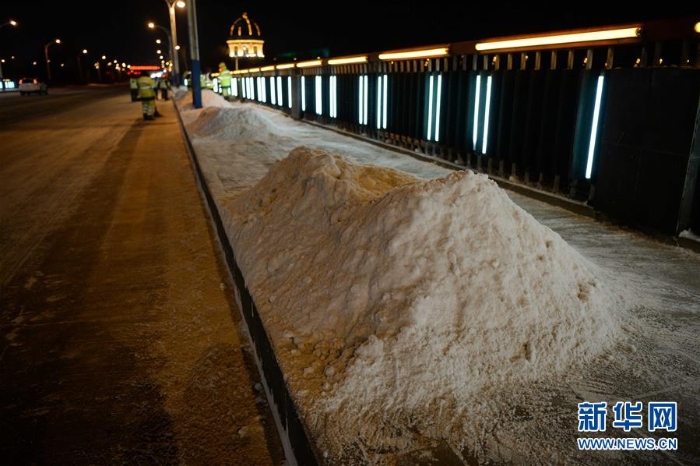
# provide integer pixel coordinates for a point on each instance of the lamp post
(46, 55)
(81, 76)
(12, 23)
(153, 25)
(194, 54)
(173, 38)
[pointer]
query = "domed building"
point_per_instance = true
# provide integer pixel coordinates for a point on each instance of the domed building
(245, 40)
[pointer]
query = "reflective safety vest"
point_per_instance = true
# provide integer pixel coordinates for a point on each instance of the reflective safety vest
(225, 78)
(146, 87)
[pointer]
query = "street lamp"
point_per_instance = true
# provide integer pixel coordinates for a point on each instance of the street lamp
(173, 38)
(153, 25)
(12, 23)
(46, 55)
(81, 77)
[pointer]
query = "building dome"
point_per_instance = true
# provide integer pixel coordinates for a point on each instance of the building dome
(244, 28)
(245, 40)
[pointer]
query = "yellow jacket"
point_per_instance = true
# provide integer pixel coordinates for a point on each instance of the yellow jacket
(146, 88)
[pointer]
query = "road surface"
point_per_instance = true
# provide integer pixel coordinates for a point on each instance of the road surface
(121, 340)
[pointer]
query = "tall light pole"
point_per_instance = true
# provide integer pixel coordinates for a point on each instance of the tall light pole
(173, 38)
(153, 25)
(81, 76)
(46, 55)
(194, 54)
(12, 23)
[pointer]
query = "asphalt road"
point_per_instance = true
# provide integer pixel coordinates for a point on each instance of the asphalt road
(121, 340)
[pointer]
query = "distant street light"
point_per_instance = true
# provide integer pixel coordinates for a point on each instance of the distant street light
(46, 55)
(81, 77)
(153, 25)
(173, 38)
(13, 23)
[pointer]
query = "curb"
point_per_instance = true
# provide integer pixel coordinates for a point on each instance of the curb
(297, 446)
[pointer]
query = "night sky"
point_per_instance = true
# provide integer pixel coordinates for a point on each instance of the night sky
(118, 29)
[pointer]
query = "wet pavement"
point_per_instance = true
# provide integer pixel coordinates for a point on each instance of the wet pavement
(121, 339)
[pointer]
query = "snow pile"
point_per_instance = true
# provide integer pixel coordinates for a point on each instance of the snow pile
(225, 123)
(399, 307)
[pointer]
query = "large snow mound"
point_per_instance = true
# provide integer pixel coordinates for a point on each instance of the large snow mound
(403, 305)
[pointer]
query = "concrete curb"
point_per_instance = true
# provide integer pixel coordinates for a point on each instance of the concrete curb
(298, 448)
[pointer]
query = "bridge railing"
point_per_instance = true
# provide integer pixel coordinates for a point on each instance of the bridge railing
(608, 117)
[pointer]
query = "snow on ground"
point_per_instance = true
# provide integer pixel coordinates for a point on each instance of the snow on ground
(418, 309)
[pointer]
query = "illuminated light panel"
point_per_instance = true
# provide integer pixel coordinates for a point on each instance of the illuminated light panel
(486, 115)
(318, 87)
(307, 64)
(348, 60)
(434, 98)
(555, 39)
(697, 27)
(363, 99)
(381, 101)
(594, 127)
(386, 98)
(430, 109)
(333, 97)
(285, 66)
(437, 108)
(303, 94)
(267, 68)
(279, 90)
(251, 88)
(273, 91)
(421, 53)
(260, 83)
(475, 131)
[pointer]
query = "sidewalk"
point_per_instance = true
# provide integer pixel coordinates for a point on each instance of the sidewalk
(123, 344)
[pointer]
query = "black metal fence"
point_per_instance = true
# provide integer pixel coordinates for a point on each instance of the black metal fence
(610, 123)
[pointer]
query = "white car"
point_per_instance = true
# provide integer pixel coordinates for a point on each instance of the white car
(32, 86)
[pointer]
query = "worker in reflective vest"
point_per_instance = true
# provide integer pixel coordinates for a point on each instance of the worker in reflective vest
(224, 80)
(134, 88)
(147, 96)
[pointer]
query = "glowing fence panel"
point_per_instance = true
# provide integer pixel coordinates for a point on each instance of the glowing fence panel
(318, 88)
(487, 113)
(263, 89)
(289, 92)
(273, 91)
(430, 109)
(477, 95)
(438, 100)
(482, 109)
(235, 82)
(333, 97)
(381, 101)
(251, 88)
(303, 94)
(594, 127)
(434, 98)
(363, 100)
(279, 91)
